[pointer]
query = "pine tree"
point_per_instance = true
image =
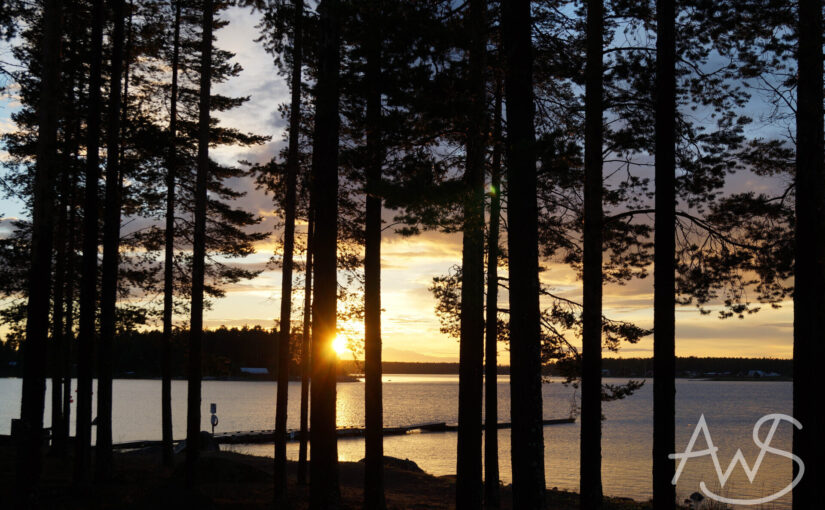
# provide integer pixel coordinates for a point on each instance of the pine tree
(492, 496)
(373, 395)
(809, 270)
(111, 238)
(325, 491)
(591, 417)
(193, 407)
(37, 312)
(664, 299)
(88, 281)
(169, 247)
(292, 164)
(468, 482)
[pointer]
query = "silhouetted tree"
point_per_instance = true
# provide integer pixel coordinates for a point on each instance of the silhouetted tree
(325, 492)
(809, 269)
(292, 167)
(471, 346)
(492, 496)
(664, 288)
(373, 396)
(111, 238)
(193, 407)
(306, 350)
(591, 416)
(169, 248)
(88, 279)
(29, 440)
(526, 409)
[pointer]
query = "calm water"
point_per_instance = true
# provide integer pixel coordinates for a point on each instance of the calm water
(730, 408)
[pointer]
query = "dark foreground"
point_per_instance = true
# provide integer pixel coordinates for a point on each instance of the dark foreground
(230, 480)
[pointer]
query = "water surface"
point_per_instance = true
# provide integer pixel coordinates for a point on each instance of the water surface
(731, 408)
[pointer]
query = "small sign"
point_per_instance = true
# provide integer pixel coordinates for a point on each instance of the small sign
(213, 408)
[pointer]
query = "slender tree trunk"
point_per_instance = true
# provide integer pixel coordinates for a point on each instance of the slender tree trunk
(591, 417)
(193, 407)
(306, 354)
(492, 497)
(471, 346)
(29, 444)
(88, 278)
(809, 270)
(527, 445)
(58, 307)
(73, 159)
(111, 243)
(169, 253)
(284, 354)
(664, 302)
(325, 493)
(68, 334)
(374, 407)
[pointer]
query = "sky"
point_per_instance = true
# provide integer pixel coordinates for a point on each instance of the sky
(410, 328)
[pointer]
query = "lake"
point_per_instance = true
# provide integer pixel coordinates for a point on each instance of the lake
(731, 408)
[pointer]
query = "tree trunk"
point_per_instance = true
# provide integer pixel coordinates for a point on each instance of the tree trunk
(284, 354)
(492, 497)
(471, 346)
(527, 446)
(169, 254)
(374, 407)
(664, 302)
(68, 333)
(809, 271)
(193, 407)
(37, 314)
(305, 354)
(88, 278)
(325, 491)
(58, 317)
(591, 417)
(111, 243)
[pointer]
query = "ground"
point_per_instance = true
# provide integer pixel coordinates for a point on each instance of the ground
(233, 481)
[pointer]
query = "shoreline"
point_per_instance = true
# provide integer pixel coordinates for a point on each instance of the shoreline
(234, 480)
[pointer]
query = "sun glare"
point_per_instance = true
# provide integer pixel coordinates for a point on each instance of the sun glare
(339, 345)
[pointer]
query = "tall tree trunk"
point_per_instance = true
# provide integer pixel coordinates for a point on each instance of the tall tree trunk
(111, 244)
(284, 354)
(169, 254)
(527, 445)
(664, 298)
(58, 307)
(374, 407)
(325, 491)
(88, 278)
(68, 333)
(591, 417)
(492, 497)
(809, 270)
(306, 353)
(471, 346)
(193, 404)
(37, 313)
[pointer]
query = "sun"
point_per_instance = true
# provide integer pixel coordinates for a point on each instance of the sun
(339, 345)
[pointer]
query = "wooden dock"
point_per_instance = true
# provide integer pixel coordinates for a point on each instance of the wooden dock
(268, 436)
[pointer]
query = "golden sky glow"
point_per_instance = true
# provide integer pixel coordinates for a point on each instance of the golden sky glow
(410, 329)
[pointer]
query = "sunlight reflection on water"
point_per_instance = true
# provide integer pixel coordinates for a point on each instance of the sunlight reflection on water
(731, 408)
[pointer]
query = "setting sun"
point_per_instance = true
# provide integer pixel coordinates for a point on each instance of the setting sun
(339, 345)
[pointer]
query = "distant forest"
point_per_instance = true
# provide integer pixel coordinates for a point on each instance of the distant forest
(227, 350)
